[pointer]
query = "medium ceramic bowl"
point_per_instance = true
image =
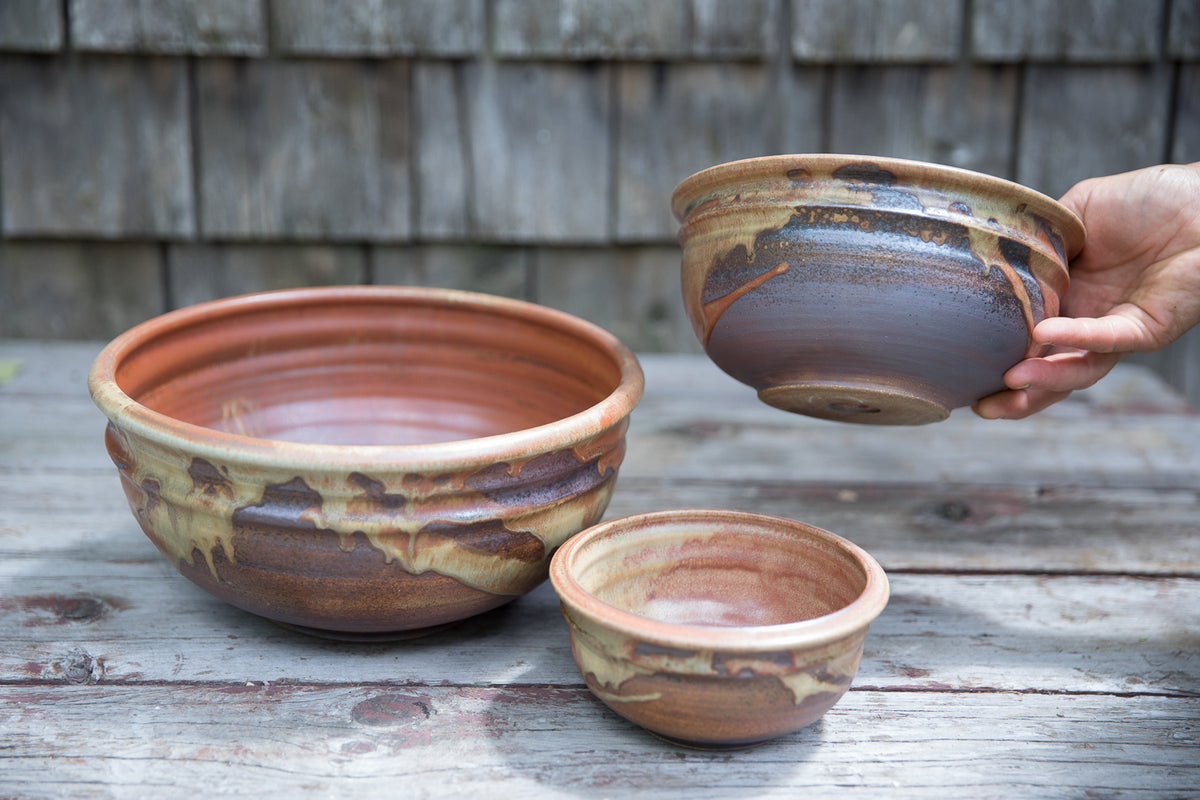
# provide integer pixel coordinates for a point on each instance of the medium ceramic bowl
(366, 462)
(717, 629)
(864, 289)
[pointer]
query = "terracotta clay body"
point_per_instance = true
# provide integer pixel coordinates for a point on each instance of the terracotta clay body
(366, 461)
(717, 629)
(868, 290)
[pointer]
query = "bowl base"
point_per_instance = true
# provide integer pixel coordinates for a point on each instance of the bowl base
(368, 636)
(712, 747)
(849, 402)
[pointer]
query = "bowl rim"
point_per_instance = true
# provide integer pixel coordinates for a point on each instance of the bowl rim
(687, 191)
(826, 629)
(139, 420)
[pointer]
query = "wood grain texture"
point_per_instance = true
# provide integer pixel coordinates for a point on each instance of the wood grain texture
(202, 272)
(535, 741)
(1083, 121)
(59, 115)
(30, 26)
(1185, 140)
(75, 290)
(947, 115)
(1183, 36)
(1109, 31)
(866, 31)
(304, 149)
(1041, 639)
(440, 28)
(498, 270)
(589, 29)
(540, 151)
(202, 27)
(677, 120)
(633, 292)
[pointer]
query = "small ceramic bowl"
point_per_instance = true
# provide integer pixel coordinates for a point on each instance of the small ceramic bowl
(366, 462)
(717, 629)
(865, 289)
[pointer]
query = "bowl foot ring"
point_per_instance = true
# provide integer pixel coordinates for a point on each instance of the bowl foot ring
(366, 636)
(844, 402)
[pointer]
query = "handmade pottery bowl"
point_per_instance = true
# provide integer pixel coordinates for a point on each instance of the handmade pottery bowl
(717, 629)
(864, 289)
(366, 462)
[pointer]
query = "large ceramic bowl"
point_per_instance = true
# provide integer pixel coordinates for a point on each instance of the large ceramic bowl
(866, 289)
(366, 462)
(717, 629)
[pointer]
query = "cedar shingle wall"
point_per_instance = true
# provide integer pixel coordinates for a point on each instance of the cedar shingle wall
(156, 153)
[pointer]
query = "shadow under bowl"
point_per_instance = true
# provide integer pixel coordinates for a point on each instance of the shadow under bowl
(365, 462)
(717, 629)
(870, 290)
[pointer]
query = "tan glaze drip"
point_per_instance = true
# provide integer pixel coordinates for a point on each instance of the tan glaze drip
(181, 517)
(986, 246)
(709, 239)
(606, 676)
(715, 308)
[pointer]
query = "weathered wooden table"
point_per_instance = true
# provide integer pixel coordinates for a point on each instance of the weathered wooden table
(1042, 640)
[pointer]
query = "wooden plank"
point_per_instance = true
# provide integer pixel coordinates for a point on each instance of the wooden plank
(497, 270)
(676, 119)
(585, 29)
(201, 272)
(1108, 31)
(540, 151)
(442, 167)
(1079, 122)
(134, 621)
(544, 742)
(949, 115)
(1185, 139)
(633, 292)
(944, 526)
(876, 30)
(736, 29)
(202, 27)
(59, 114)
(77, 290)
(47, 368)
(1183, 37)
(304, 149)
(440, 28)
(30, 26)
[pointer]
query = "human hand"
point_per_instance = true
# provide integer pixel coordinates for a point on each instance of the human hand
(1135, 286)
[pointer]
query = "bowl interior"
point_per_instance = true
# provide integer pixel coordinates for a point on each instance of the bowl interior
(368, 368)
(700, 573)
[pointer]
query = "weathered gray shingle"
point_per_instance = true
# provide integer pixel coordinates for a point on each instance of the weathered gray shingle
(1066, 30)
(31, 25)
(1183, 37)
(540, 151)
(876, 30)
(74, 290)
(95, 147)
(589, 29)
(1083, 121)
(230, 27)
(200, 272)
(946, 115)
(447, 28)
(495, 270)
(676, 120)
(304, 149)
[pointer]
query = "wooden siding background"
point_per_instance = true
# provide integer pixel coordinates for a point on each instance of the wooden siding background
(157, 153)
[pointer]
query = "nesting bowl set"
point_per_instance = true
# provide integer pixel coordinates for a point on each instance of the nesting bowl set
(376, 463)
